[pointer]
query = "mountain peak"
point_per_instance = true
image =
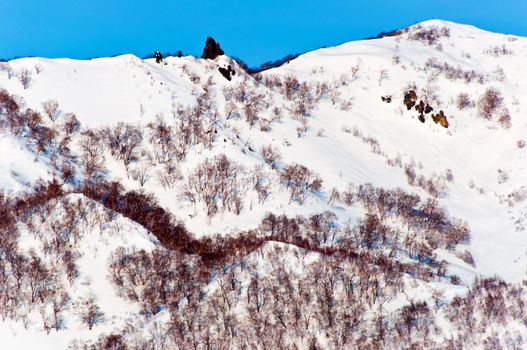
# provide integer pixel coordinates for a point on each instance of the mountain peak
(212, 49)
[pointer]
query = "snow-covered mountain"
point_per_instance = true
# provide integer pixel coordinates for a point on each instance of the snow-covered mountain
(357, 183)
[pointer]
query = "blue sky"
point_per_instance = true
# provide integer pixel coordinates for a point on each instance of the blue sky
(255, 31)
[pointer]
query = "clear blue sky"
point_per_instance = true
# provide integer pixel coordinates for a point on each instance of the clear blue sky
(255, 31)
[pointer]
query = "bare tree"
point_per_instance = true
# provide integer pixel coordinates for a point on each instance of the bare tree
(92, 159)
(355, 69)
(51, 108)
(89, 312)
(24, 76)
(300, 181)
(4, 66)
(231, 110)
(334, 95)
(489, 103)
(59, 303)
(124, 141)
(321, 91)
(141, 173)
(252, 107)
(169, 176)
(270, 155)
(38, 68)
(383, 74)
(347, 104)
(218, 184)
(162, 139)
(463, 101)
(70, 123)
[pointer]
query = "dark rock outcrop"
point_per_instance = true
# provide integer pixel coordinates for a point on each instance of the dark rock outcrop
(420, 107)
(212, 49)
(227, 72)
(428, 109)
(410, 98)
(441, 119)
(158, 57)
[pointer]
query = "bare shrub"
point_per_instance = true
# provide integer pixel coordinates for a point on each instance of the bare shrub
(334, 95)
(355, 69)
(162, 139)
(231, 110)
(271, 155)
(124, 141)
(321, 91)
(25, 77)
(300, 181)
(429, 94)
(51, 108)
(168, 177)
(4, 66)
(346, 104)
(383, 74)
(291, 86)
(301, 130)
(334, 197)
(252, 107)
(429, 36)
(218, 184)
(489, 103)
(261, 182)
(141, 173)
(463, 101)
(453, 73)
(504, 118)
(194, 78)
(89, 312)
(265, 123)
(499, 74)
(449, 175)
(70, 123)
(92, 160)
(517, 196)
(497, 51)
(466, 257)
(503, 176)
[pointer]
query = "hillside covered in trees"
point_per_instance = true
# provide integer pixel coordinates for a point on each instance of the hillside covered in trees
(364, 196)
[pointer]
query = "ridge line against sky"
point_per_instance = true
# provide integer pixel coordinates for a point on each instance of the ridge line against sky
(256, 32)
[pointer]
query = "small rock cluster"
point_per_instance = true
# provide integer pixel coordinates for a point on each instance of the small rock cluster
(227, 72)
(410, 101)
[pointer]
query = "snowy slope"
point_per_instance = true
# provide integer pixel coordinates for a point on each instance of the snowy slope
(104, 91)
(476, 152)
(125, 88)
(18, 166)
(472, 148)
(97, 241)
